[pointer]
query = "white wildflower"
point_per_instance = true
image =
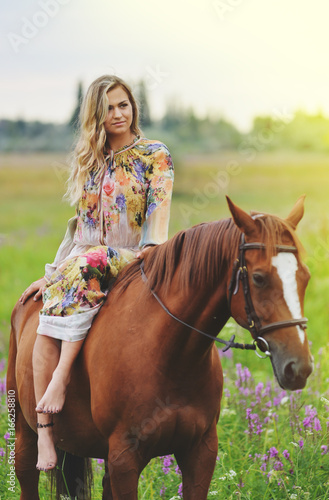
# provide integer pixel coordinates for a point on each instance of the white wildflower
(284, 401)
(226, 411)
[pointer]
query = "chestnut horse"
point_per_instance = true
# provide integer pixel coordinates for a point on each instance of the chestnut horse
(145, 384)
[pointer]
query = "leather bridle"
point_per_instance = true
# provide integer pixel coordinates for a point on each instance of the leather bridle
(240, 273)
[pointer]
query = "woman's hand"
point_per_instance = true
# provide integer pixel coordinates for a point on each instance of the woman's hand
(142, 253)
(37, 286)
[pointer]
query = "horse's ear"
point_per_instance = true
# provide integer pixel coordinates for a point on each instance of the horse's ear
(243, 220)
(297, 212)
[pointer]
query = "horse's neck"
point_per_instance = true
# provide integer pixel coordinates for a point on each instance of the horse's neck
(204, 309)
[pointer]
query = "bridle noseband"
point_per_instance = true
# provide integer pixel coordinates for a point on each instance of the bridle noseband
(240, 273)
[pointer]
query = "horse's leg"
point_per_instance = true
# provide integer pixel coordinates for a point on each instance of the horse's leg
(26, 439)
(26, 458)
(197, 466)
(124, 466)
(106, 482)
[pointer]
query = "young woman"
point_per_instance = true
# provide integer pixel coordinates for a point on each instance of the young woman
(122, 185)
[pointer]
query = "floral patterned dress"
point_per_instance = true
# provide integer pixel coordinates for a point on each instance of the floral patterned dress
(122, 209)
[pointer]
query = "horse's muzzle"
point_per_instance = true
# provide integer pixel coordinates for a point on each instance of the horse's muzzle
(292, 373)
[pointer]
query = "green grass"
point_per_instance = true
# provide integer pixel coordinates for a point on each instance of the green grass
(32, 222)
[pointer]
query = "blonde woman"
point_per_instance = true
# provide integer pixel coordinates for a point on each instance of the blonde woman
(121, 184)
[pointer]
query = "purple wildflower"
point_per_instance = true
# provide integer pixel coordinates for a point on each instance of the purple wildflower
(263, 467)
(301, 443)
(278, 465)
(7, 436)
(259, 389)
(243, 374)
(2, 386)
(324, 449)
(307, 422)
(273, 452)
(254, 424)
(286, 454)
(180, 489)
(227, 393)
(178, 471)
(316, 425)
(2, 452)
(167, 463)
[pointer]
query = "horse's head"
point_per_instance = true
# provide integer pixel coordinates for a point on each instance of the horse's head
(270, 296)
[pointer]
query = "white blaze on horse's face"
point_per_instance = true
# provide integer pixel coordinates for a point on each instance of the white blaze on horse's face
(286, 265)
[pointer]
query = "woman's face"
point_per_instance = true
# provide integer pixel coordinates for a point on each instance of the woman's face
(120, 113)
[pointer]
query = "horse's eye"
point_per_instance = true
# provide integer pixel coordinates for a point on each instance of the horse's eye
(259, 280)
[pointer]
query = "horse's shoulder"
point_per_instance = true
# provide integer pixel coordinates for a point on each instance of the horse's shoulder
(21, 314)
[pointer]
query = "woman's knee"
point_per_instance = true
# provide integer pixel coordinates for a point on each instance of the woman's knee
(46, 349)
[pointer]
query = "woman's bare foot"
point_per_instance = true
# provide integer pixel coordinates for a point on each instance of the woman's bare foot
(47, 456)
(53, 399)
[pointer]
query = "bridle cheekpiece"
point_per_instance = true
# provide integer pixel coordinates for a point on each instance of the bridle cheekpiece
(240, 273)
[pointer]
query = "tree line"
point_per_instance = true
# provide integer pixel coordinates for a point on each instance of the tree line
(181, 129)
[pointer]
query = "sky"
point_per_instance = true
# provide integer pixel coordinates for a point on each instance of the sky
(230, 58)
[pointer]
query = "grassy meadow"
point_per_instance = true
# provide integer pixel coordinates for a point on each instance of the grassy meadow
(272, 444)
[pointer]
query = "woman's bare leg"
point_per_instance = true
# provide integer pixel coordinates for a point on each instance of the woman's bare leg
(46, 355)
(52, 401)
(52, 363)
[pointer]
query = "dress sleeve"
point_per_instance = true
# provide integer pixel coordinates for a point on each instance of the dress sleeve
(160, 179)
(64, 249)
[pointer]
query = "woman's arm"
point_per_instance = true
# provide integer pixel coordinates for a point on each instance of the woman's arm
(160, 177)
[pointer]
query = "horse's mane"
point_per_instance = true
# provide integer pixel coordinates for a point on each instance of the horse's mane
(203, 253)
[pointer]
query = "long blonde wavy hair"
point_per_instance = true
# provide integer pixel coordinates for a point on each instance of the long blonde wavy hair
(89, 151)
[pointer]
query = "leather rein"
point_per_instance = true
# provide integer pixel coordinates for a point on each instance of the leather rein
(240, 273)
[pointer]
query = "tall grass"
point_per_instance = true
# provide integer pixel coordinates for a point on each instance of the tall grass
(272, 444)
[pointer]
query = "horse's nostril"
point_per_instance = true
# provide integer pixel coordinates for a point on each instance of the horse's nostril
(290, 371)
